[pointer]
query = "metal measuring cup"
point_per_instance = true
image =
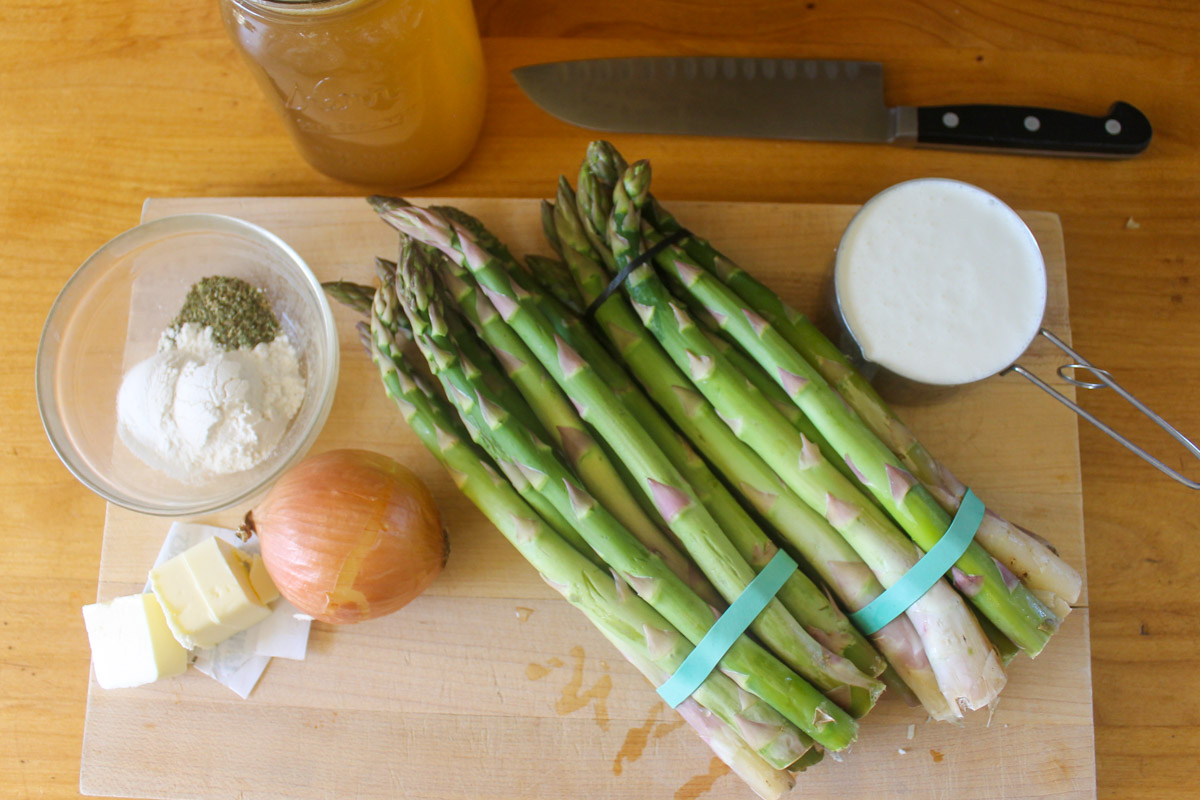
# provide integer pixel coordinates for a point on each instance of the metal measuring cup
(1102, 378)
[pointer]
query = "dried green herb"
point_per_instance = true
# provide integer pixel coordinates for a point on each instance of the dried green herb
(237, 312)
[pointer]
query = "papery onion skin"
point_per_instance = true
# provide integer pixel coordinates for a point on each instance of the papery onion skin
(349, 535)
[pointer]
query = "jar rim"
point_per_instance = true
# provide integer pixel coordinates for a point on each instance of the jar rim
(302, 6)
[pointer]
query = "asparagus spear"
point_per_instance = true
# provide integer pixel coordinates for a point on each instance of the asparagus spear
(603, 167)
(1012, 607)
(606, 163)
(355, 295)
(566, 429)
(778, 397)
(594, 206)
(818, 543)
(841, 567)
(1027, 555)
(464, 288)
(553, 278)
(799, 595)
(967, 668)
(548, 227)
(386, 306)
(804, 705)
(810, 534)
(762, 382)
(803, 599)
(594, 466)
(764, 780)
(494, 428)
(636, 629)
(556, 482)
(383, 303)
(741, 760)
(483, 237)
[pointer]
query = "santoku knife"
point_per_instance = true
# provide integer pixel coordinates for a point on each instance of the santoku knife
(779, 98)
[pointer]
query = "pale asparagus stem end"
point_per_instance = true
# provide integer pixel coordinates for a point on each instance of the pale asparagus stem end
(1032, 560)
(767, 783)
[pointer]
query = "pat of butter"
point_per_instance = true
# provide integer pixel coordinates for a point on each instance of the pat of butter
(264, 587)
(207, 594)
(131, 642)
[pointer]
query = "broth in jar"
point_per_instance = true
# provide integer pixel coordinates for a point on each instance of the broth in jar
(372, 91)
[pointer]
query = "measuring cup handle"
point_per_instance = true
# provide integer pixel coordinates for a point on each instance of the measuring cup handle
(1104, 379)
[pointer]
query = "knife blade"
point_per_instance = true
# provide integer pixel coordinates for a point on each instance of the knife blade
(805, 99)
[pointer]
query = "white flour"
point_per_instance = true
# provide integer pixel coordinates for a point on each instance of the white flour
(194, 410)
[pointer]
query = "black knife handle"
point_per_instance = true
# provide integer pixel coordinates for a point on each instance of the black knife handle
(1122, 132)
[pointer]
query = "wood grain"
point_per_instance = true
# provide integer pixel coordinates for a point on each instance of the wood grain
(473, 674)
(105, 103)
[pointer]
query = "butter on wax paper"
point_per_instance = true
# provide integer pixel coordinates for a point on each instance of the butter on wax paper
(206, 595)
(240, 660)
(131, 643)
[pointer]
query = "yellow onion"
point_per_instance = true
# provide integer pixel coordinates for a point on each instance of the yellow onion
(349, 535)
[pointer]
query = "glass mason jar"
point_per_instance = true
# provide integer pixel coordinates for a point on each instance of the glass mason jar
(387, 92)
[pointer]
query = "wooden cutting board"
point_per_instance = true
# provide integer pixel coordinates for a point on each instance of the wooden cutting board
(491, 686)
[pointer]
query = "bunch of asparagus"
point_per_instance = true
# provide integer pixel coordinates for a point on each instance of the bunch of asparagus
(649, 450)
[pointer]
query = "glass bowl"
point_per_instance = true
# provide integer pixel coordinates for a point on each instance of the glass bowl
(110, 315)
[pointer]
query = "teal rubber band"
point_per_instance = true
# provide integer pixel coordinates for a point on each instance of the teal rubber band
(926, 572)
(729, 626)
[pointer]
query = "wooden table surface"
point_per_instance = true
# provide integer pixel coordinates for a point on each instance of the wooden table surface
(107, 102)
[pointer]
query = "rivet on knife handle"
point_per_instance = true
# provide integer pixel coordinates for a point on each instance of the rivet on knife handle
(1123, 132)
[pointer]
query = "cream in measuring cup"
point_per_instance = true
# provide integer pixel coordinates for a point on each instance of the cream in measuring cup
(940, 282)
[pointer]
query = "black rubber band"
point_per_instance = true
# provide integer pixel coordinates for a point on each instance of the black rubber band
(646, 257)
